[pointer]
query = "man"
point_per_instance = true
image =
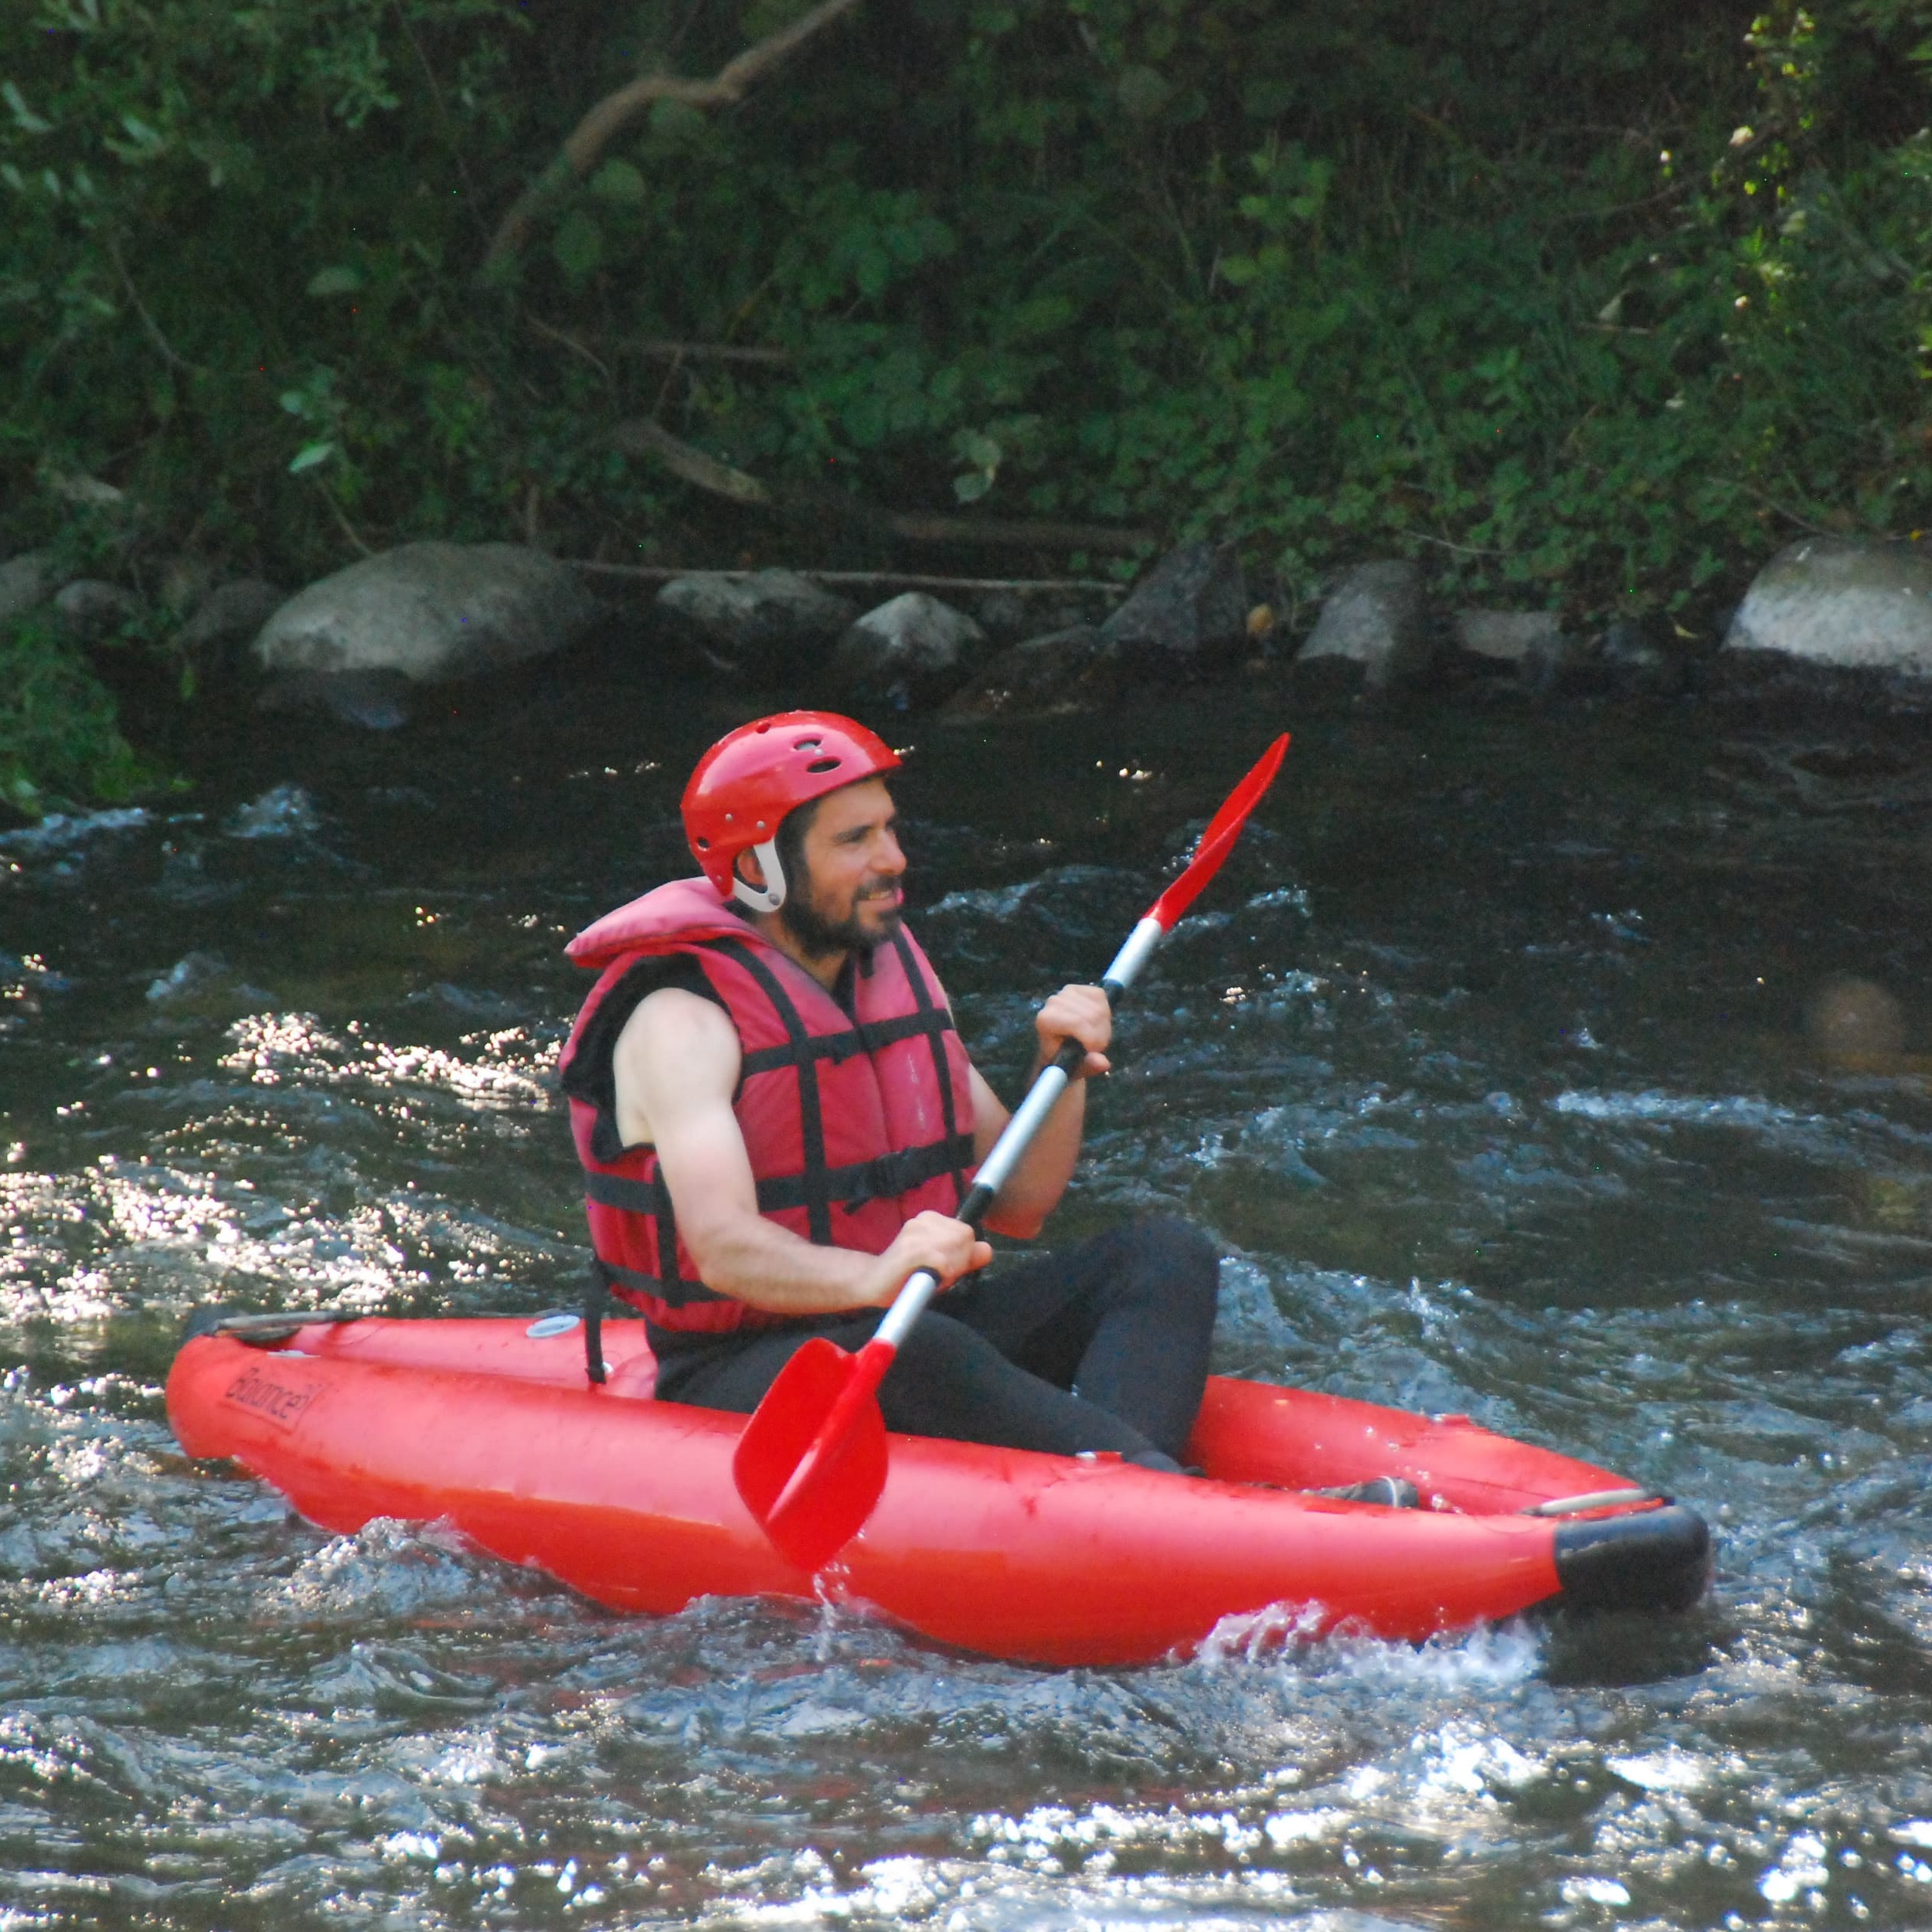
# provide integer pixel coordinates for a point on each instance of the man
(776, 1120)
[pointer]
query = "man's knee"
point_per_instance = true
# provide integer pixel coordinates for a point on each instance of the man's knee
(1177, 1257)
(937, 1349)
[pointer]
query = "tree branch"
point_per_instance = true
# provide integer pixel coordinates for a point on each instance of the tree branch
(148, 321)
(615, 111)
(662, 348)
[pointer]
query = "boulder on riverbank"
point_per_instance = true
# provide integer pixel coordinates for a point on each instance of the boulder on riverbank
(1372, 635)
(908, 653)
(1843, 604)
(430, 612)
(1188, 618)
(771, 624)
(28, 580)
(90, 609)
(1075, 669)
(1507, 637)
(230, 616)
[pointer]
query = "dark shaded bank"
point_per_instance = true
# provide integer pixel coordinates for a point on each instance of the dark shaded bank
(1592, 319)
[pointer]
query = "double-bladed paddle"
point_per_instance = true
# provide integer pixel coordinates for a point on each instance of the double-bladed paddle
(811, 1461)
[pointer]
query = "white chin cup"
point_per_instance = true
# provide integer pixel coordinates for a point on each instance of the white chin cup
(772, 895)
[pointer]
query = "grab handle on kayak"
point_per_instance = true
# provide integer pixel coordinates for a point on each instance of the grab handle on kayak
(264, 1330)
(1595, 1499)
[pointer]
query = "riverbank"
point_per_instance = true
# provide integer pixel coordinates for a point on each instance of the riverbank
(1827, 624)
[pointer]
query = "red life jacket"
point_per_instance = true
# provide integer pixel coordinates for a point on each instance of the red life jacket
(854, 1122)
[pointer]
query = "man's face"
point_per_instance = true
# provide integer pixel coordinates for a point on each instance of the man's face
(848, 898)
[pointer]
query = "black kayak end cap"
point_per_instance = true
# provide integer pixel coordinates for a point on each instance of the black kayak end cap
(1652, 1559)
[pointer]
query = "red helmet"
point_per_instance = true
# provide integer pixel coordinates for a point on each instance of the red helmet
(747, 783)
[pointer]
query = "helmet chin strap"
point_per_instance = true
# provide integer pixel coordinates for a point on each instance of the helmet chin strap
(772, 895)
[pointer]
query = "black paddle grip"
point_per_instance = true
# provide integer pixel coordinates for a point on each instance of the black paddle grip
(1069, 1058)
(978, 1198)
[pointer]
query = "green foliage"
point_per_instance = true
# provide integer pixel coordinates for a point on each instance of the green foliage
(58, 741)
(1588, 305)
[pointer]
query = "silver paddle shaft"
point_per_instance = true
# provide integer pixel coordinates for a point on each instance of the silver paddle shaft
(1017, 1135)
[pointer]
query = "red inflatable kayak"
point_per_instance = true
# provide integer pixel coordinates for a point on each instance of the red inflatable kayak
(490, 1425)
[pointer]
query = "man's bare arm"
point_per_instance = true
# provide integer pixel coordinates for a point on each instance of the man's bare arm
(1034, 1190)
(676, 1066)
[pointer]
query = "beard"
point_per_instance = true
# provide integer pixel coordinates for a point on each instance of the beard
(819, 937)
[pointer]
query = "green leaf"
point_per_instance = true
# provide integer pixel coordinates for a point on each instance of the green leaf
(309, 455)
(341, 280)
(872, 270)
(1143, 94)
(578, 246)
(972, 487)
(977, 448)
(619, 183)
(24, 116)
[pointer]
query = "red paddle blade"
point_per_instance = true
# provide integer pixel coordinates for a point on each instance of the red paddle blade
(1218, 841)
(811, 1505)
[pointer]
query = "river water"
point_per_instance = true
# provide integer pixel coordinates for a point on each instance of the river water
(1488, 1066)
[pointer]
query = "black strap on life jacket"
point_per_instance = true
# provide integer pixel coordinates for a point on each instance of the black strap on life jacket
(677, 1293)
(930, 1010)
(802, 1054)
(595, 1294)
(862, 1036)
(652, 1197)
(881, 1178)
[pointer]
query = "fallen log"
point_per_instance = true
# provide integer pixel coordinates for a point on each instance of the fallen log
(866, 579)
(639, 437)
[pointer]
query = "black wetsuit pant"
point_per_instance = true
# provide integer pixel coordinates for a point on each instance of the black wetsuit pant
(1104, 1347)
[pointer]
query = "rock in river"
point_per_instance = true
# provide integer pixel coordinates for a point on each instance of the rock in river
(1072, 670)
(1840, 602)
(773, 623)
(1506, 637)
(911, 651)
(429, 612)
(1187, 616)
(1373, 632)
(229, 616)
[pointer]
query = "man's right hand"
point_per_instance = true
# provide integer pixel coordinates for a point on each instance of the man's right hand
(933, 1240)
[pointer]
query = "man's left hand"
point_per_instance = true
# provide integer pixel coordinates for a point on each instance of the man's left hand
(1076, 1013)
